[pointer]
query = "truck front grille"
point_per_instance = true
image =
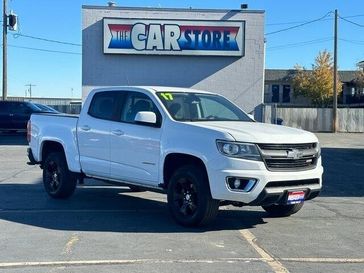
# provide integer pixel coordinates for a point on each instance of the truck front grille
(289, 157)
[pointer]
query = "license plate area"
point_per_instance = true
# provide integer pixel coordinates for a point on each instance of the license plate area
(295, 197)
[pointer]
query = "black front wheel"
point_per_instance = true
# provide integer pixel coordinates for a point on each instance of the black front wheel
(189, 197)
(58, 181)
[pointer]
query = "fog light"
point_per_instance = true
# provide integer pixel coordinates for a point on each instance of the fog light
(237, 183)
(241, 184)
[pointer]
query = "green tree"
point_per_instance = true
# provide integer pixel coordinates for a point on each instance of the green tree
(318, 83)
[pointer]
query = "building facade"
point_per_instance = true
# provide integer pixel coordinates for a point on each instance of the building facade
(215, 50)
(278, 88)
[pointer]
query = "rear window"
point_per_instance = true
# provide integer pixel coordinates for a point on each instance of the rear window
(103, 105)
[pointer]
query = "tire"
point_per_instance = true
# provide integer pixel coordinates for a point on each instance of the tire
(282, 210)
(189, 197)
(135, 188)
(58, 181)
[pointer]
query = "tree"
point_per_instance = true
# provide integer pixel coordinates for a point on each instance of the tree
(318, 83)
(359, 79)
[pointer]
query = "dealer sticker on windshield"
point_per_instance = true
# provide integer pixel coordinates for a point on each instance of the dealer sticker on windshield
(295, 197)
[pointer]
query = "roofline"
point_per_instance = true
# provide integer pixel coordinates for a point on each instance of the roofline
(172, 9)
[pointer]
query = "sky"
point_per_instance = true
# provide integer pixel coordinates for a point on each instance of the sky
(56, 74)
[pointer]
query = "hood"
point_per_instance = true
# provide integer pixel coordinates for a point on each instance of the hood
(256, 132)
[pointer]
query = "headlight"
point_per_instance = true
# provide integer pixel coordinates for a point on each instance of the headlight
(318, 149)
(240, 150)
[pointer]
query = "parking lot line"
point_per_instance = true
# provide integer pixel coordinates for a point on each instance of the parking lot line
(324, 260)
(266, 257)
(123, 262)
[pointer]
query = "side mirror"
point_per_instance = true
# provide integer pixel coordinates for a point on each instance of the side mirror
(147, 118)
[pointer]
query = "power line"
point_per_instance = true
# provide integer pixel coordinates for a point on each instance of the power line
(46, 50)
(299, 25)
(351, 22)
(45, 39)
(293, 22)
(356, 42)
(298, 44)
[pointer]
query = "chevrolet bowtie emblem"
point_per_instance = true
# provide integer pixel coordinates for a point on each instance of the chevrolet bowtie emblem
(294, 154)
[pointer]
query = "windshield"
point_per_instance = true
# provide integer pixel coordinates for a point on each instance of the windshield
(201, 107)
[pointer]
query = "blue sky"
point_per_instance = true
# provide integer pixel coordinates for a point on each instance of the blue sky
(59, 75)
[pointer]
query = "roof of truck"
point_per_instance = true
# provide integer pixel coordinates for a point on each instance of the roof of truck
(153, 89)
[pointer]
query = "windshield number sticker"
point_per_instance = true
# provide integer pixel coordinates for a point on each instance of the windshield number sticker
(167, 96)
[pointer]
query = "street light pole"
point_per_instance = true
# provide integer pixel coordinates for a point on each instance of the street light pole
(334, 104)
(5, 47)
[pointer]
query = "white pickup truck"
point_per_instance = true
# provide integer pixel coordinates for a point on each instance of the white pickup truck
(196, 146)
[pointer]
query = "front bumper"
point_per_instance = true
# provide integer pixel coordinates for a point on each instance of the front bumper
(262, 193)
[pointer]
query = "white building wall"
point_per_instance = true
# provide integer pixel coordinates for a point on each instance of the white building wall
(239, 78)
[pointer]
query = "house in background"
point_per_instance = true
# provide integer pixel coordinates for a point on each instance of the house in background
(278, 88)
(361, 65)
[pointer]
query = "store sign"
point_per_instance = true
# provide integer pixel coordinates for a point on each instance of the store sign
(169, 37)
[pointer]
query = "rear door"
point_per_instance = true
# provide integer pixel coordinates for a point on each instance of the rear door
(5, 117)
(93, 133)
(21, 112)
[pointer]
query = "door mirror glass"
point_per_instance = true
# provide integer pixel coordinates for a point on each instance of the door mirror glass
(146, 117)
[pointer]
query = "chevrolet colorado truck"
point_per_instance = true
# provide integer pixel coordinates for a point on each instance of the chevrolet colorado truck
(197, 147)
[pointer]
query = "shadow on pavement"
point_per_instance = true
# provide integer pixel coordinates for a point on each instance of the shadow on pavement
(13, 138)
(343, 172)
(105, 209)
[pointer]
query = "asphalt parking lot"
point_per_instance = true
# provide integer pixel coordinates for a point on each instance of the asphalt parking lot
(109, 229)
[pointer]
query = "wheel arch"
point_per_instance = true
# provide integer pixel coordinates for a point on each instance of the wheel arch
(173, 161)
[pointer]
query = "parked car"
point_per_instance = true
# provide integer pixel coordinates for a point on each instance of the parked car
(46, 108)
(195, 146)
(14, 115)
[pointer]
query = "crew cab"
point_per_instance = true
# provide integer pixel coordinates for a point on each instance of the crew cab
(199, 148)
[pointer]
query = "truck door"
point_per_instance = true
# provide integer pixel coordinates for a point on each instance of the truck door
(93, 132)
(135, 148)
(20, 114)
(5, 115)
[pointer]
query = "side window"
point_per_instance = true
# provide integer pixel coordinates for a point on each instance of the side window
(103, 105)
(19, 108)
(136, 102)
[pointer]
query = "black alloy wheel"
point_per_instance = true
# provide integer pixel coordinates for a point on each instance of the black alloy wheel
(189, 197)
(58, 181)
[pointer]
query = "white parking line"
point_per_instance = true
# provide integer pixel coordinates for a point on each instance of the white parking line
(122, 262)
(269, 259)
(275, 266)
(324, 260)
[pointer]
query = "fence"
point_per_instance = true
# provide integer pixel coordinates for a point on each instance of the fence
(350, 120)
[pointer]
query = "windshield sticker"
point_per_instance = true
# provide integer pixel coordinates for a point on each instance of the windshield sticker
(167, 96)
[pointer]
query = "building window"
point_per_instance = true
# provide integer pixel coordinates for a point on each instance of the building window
(275, 93)
(286, 93)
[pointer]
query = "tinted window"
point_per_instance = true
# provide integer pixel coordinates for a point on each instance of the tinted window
(104, 105)
(21, 108)
(137, 102)
(201, 107)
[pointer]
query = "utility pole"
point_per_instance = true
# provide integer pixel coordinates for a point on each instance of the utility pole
(334, 103)
(5, 47)
(30, 89)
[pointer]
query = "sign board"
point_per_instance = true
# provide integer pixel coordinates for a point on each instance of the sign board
(174, 37)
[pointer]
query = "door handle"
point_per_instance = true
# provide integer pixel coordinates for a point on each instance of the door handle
(85, 128)
(117, 132)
